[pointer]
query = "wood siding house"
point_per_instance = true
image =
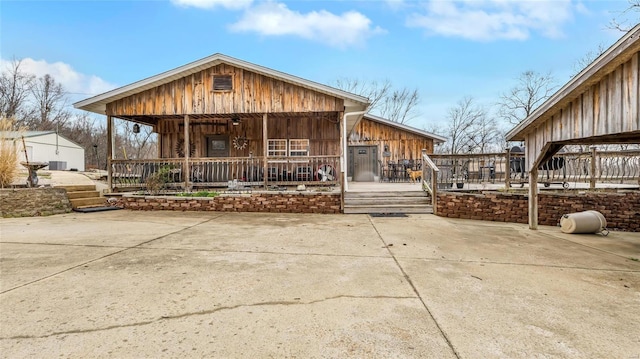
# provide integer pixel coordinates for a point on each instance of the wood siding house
(221, 119)
(600, 105)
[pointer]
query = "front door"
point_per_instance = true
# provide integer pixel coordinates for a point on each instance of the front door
(364, 160)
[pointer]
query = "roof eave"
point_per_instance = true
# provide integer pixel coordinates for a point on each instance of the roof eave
(97, 104)
(623, 46)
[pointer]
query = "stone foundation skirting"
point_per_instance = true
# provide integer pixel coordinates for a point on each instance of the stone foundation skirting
(31, 202)
(621, 209)
(281, 202)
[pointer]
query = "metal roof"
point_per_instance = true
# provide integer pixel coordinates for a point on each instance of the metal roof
(97, 104)
(625, 47)
(436, 138)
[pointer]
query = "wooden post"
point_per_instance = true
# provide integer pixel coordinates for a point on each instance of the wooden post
(592, 175)
(533, 198)
(109, 152)
(265, 149)
(187, 152)
(507, 169)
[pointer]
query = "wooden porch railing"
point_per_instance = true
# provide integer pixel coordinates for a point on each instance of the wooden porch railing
(226, 172)
(430, 179)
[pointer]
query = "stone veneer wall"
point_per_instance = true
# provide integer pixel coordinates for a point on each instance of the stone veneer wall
(30, 202)
(282, 202)
(621, 209)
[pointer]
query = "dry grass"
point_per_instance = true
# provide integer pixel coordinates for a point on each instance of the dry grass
(8, 154)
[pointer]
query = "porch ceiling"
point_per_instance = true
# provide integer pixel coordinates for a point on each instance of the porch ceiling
(153, 120)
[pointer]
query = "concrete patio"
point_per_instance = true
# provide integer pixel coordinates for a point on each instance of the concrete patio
(191, 284)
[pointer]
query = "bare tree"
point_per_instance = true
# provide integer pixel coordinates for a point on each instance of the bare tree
(50, 104)
(485, 136)
(15, 89)
(375, 91)
(587, 59)
(625, 20)
(398, 105)
(462, 119)
(530, 92)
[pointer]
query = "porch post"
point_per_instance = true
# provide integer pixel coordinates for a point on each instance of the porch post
(533, 198)
(187, 152)
(109, 152)
(265, 149)
(507, 169)
(592, 177)
(343, 163)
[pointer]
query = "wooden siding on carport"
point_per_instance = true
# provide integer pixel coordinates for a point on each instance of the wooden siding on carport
(608, 107)
(252, 93)
(323, 134)
(402, 144)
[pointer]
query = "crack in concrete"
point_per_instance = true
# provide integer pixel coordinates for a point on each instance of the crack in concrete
(106, 256)
(415, 290)
(64, 244)
(555, 266)
(263, 252)
(205, 312)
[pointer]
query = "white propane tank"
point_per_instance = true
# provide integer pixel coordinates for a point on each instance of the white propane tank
(583, 222)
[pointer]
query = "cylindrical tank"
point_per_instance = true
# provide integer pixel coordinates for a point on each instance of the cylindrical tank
(583, 222)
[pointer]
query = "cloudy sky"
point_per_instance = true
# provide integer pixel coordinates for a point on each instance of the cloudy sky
(446, 49)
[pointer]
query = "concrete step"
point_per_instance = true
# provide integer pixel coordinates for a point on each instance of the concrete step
(356, 209)
(77, 187)
(388, 200)
(385, 194)
(83, 194)
(85, 202)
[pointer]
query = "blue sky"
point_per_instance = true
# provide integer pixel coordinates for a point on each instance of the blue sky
(445, 49)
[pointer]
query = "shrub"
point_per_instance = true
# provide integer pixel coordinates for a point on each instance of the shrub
(8, 153)
(157, 181)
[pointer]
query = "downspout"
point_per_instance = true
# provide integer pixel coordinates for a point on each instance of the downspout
(343, 163)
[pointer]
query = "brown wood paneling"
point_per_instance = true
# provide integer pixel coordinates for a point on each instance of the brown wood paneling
(402, 144)
(252, 93)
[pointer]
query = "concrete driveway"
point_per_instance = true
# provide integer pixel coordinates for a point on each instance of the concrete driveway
(166, 284)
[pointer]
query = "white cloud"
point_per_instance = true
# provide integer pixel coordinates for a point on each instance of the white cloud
(72, 81)
(210, 4)
(275, 19)
(495, 19)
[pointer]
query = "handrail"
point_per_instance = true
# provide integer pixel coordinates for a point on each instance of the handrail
(430, 186)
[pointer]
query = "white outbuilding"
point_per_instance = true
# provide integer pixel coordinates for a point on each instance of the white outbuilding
(48, 146)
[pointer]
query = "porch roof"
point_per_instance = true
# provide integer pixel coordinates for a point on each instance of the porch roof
(618, 53)
(436, 139)
(97, 104)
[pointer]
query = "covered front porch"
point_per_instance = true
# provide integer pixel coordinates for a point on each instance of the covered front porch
(233, 151)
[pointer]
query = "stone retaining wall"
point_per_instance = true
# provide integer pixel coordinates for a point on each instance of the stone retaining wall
(30, 202)
(622, 209)
(282, 202)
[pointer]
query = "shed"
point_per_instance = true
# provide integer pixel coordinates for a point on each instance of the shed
(600, 105)
(49, 146)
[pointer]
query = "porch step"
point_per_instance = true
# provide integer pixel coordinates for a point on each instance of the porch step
(387, 202)
(77, 187)
(84, 196)
(88, 202)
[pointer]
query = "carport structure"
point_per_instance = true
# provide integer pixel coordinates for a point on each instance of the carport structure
(600, 105)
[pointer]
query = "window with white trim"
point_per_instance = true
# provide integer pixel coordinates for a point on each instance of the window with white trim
(299, 147)
(277, 148)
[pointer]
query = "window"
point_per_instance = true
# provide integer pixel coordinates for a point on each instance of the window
(222, 83)
(298, 148)
(277, 148)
